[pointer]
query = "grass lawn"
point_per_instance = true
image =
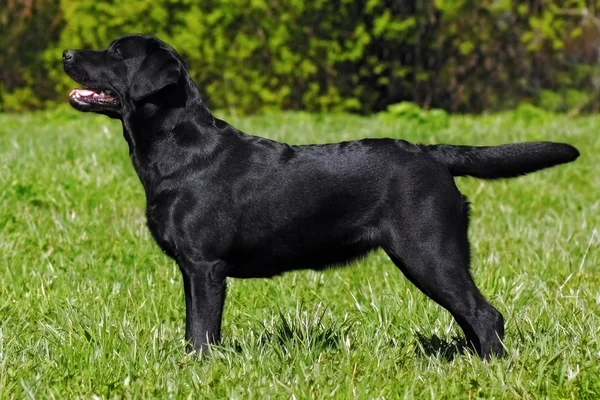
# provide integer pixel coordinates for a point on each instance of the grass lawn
(89, 306)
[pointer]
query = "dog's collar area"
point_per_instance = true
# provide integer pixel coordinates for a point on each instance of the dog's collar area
(93, 96)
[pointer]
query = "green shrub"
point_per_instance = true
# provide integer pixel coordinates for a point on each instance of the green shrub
(20, 99)
(575, 98)
(551, 101)
(529, 113)
(320, 55)
(407, 111)
(250, 55)
(28, 28)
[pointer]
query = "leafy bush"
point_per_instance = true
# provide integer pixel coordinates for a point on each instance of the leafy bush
(28, 27)
(551, 101)
(529, 113)
(323, 55)
(433, 118)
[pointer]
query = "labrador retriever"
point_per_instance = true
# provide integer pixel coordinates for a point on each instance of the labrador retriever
(224, 204)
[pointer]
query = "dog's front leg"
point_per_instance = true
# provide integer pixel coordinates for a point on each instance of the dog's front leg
(204, 284)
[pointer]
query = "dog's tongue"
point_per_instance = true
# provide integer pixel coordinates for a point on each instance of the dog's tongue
(95, 95)
(85, 92)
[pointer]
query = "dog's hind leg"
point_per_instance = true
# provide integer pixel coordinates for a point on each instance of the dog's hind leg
(432, 250)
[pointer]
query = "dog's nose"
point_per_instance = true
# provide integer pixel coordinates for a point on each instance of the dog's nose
(67, 55)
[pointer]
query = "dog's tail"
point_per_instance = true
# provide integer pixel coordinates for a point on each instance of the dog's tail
(504, 161)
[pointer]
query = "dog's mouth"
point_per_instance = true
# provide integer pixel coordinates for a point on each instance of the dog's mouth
(93, 97)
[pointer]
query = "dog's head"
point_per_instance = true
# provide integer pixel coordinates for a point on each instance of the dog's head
(132, 70)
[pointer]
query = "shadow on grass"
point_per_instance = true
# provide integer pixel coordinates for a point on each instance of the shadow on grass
(435, 346)
(294, 332)
(299, 332)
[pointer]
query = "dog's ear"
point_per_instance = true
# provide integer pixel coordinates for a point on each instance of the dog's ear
(159, 69)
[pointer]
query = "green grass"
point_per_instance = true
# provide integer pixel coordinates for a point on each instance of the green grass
(89, 306)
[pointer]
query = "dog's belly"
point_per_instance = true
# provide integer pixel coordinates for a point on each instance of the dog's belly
(267, 262)
(331, 236)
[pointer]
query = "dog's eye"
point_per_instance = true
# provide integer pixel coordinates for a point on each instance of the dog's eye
(117, 50)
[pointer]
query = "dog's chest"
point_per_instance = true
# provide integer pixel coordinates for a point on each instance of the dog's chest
(160, 219)
(174, 218)
(159, 229)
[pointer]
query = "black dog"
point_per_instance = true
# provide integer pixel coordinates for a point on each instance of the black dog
(226, 204)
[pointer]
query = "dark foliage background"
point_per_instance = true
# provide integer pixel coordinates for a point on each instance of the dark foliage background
(325, 55)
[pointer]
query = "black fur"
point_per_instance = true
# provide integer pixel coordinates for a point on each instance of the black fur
(505, 161)
(226, 204)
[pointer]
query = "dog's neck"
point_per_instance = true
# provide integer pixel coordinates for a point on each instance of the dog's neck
(169, 130)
